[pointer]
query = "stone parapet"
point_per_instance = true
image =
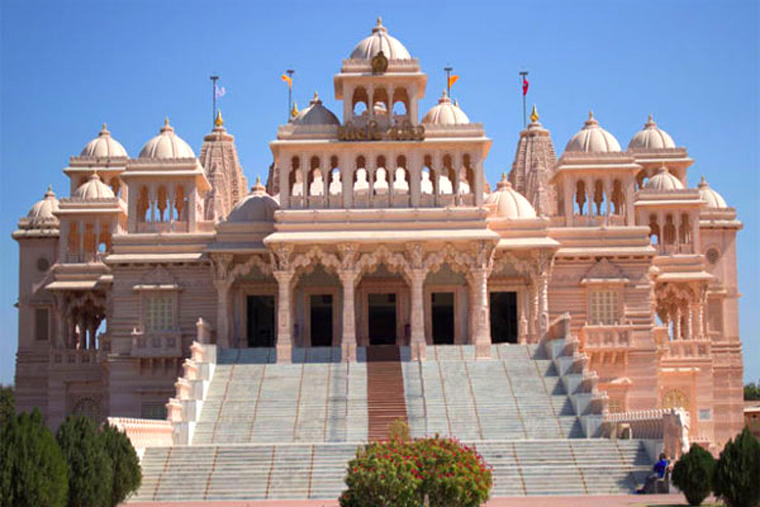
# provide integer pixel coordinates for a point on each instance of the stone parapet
(143, 433)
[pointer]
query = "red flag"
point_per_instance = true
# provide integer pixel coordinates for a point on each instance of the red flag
(525, 86)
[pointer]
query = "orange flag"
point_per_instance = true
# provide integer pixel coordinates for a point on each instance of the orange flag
(288, 80)
(452, 80)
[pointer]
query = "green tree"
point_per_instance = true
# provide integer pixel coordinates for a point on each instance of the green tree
(32, 466)
(752, 392)
(7, 405)
(125, 464)
(90, 472)
(693, 474)
(737, 474)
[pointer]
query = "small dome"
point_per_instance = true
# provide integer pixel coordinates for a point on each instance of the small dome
(167, 144)
(258, 206)
(94, 188)
(445, 113)
(593, 139)
(663, 181)
(651, 138)
(42, 211)
(508, 202)
(316, 114)
(713, 199)
(104, 146)
(380, 41)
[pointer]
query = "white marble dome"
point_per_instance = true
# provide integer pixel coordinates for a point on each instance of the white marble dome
(104, 146)
(445, 113)
(506, 202)
(380, 41)
(167, 144)
(663, 181)
(258, 206)
(592, 139)
(651, 138)
(316, 114)
(93, 188)
(713, 199)
(42, 211)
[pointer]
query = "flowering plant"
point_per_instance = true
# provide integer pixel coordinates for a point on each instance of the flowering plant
(399, 473)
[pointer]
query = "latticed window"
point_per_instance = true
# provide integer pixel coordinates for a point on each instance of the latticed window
(604, 307)
(159, 312)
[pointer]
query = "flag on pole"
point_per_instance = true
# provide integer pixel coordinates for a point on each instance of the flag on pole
(525, 86)
(219, 91)
(452, 80)
(288, 80)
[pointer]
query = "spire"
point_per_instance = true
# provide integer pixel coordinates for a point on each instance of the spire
(167, 127)
(534, 114)
(219, 121)
(294, 111)
(104, 131)
(50, 192)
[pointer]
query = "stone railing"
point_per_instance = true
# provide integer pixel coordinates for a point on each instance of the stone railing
(669, 425)
(75, 356)
(144, 433)
(156, 345)
(615, 336)
(678, 349)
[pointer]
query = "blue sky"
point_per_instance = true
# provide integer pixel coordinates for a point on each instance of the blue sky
(69, 66)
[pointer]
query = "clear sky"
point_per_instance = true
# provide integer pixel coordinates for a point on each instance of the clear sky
(69, 66)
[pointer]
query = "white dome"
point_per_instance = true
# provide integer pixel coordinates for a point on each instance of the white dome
(713, 199)
(104, 146)
(380, 41)
(651, 138)
(258, 206)
(508, 202)
(445, 113)
(94, 188)
(42, 211)
(663, 181)
(167, 144)
(316, 114)
(593, 139)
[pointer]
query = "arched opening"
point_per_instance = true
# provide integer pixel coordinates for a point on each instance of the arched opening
(296, 178)
(163, 204)
(116, 186)
(89, 245)
(466, 176)
(336, 184)
(641, 177)
(684, 230)
(180, 203)
(669, 231)
(361, 182)
(316, 185)
(428, 177)
(654, 230)
(143, 203)
(400, 104)
(401, 177)
(360, 101)
(380, 102)
(446, 183)
(618, 197)
(599, 197)
(380, 184)
(580, 197)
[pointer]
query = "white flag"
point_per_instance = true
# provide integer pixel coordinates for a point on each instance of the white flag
(219, 91)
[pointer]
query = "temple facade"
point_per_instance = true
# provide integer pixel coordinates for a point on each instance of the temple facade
(377, 227)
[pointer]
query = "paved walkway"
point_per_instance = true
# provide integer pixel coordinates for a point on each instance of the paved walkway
(533, 501)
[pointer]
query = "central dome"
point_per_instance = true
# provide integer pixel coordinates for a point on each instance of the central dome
(258, 206)
(380, 41)
(592, 139)
(167, 144)
(445, 113)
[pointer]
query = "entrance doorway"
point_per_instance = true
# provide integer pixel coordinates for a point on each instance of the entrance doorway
(382, 319)
(503, 317)
(321, 310)
(442, 313)
(261, 330)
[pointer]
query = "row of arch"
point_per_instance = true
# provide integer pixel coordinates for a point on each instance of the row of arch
(670, 229)
(162, 204)
(85, 240)
(381, 100)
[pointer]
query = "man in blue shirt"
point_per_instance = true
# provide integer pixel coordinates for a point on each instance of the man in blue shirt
(659, 472)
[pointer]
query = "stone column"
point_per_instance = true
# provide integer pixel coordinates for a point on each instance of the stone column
(677, 325)
(60, 320)
(348, 341)
(417, 279)
(534, 313)
(569, 193)
(543, 304)
(222, 312)
(689, 322)
(81, 229)
(284, 315)
(93, 329)
(482, 315)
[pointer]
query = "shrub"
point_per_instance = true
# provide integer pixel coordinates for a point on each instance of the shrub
(398, 473)
(90, 473)
(32, 467)
(693, 474)
(737, 474)
(125, 464)
(7, 405)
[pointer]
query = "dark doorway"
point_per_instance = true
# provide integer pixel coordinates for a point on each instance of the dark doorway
(503, 317)
(382, 319)
(261, 330)
(442, 309)
(321, 320)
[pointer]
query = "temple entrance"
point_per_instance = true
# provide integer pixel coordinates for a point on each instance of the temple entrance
(382, 319)
(442, 313)
(503, 317)
(261, 328)
(321, 310)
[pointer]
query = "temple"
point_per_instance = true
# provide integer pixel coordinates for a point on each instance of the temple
(377, 227)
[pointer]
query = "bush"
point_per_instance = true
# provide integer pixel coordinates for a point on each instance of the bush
(737, 474)
(90, 472)
(125, 464)
(32, 467)
(693, 474)
(398, 473)
(7, 405)
(399, 430)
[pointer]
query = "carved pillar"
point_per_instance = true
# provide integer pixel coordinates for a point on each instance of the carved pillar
(417, 279)
(223, 282)
(60, 321)
(349, 278)
(677, 325)
(543, 304)
(690, 321)
(93, 329)
(284, 315)
(482, 315)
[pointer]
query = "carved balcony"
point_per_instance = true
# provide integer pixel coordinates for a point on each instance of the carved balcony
(688, 349)
(157, 344)
(77, 357)
(606, 337)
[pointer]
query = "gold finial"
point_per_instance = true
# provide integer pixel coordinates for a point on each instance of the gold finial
(105, 127)
(590, 114)
(650, 119)
(379, 21)
(166, 121)
(503, 176)
(294, 111)
(534, 114)
(219, 121)
(258, 180)
(316, 97)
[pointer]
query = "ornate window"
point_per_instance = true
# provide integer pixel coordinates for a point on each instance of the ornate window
(88, 407)
(603, 307)
(675, 398)
(159, 312)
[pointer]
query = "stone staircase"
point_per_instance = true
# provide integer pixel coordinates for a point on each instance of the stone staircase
(385, 391)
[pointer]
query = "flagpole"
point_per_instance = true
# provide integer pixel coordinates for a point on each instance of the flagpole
(290, 72)
(523, 75)
(448, 80)
(214, 79)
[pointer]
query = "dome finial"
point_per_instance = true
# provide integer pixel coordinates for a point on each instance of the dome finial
(650, 120)
(258, 180)
(219, 121)
(504, 183)
(590, 114)
(104, 130)
(50, 192)
(534, 114)
(379, 21)
(456, 102)
(166, 121)
(294, 110)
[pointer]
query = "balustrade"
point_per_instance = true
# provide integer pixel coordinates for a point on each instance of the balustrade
(606, 336)
(156, 345)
